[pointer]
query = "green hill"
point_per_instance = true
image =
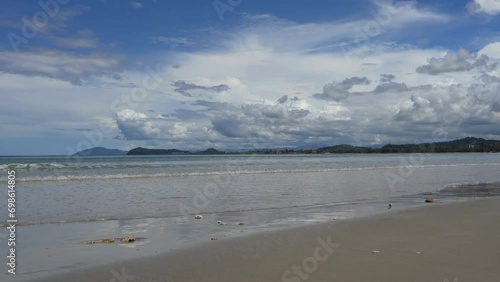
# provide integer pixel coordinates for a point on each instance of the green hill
(144, 151)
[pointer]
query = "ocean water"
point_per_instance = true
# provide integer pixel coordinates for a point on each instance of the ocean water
(62, 202)
(63, 189)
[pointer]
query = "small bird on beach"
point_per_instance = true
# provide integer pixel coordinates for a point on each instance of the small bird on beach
(389, 206)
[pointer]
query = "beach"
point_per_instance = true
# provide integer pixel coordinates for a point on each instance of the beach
(436, 242)
(275, 211)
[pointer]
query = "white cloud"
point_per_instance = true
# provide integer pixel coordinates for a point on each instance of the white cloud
(49, 107)
(257, 85)
(136, 126)
(387, 17)
(58, 65)
(490, 7)
(337, 91)
(492, 50)
(129, 114)
(456, 62)
(257, 111)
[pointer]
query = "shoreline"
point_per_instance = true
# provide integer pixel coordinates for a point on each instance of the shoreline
(52, 242)
(431, 243)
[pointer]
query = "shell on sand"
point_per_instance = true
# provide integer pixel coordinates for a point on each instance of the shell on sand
(429, 200)
(198, 216)
(128, 239)
(213, 238)
(375, 252)
(221, 223)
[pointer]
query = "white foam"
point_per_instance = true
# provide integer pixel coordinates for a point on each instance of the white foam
(82, 177)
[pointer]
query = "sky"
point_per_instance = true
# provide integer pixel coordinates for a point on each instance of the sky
(240, 74)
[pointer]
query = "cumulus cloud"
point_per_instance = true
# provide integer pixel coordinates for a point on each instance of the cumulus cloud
(283, 99)
(262, 121)
(457, 109)
(387, 77)
(136, 126)
(269, 57)
(387, 84)
(491, 50)
(270, 123)
(191, 90)
(490, 7)
(400, 116)
(337, 91)
(58, 65)
(235, 126)
(459, 61)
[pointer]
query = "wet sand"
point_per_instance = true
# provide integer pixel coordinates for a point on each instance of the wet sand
(456, 242)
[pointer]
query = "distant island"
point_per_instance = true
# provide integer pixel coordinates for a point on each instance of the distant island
(100, 151)
(144, 151)
(468, 144)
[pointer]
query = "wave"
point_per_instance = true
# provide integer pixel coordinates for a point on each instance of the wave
(143, 165)
(44, 166)
(453, 187)
(82, 166)
(82, 177)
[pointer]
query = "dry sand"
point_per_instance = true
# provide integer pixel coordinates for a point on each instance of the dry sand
(456, 243)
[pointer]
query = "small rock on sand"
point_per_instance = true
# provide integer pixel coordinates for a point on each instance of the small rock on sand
(198, 216)
(221, 223)
(241, 223)
(213, 238)
(128, 239)
(429, 200)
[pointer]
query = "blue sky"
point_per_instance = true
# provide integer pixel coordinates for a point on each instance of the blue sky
(235, 74)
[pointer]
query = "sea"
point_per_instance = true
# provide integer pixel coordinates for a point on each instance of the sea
(62, 201)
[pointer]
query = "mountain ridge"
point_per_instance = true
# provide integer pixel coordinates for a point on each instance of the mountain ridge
(467, 144)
